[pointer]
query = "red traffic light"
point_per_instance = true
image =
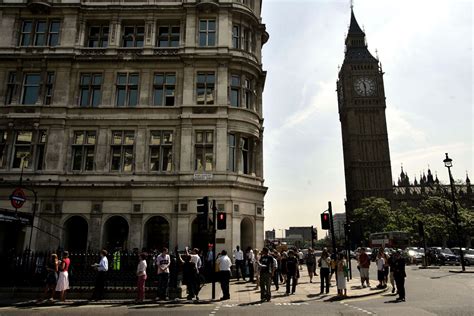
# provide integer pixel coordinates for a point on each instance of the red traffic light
(325, 221)
(221, 220)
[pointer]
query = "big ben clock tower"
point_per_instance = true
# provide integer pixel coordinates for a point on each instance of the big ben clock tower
(361, 100)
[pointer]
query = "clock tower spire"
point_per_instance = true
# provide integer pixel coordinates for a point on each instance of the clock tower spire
(361, 101)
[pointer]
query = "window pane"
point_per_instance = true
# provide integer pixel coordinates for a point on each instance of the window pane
(79, 138)
(96, 96)
(128, 158)
(212, 25)
(211, 39)
(30, 95)
(77, 158)
(117, 138)
(235, 81)
(200, 95)
(133, 97)
(208, 159)
(209, 136)
(167, 137)
(116, 151)
(121, 79)
(89, 164)
(40, 39)
(41, 26)
(158, 97)
(91, 138)
(120, 96)
(129, 138)
(24, 137)
(203, 25)
(155, 158)
(21, 152)
(199, 162)
(202, 39)
(84, 97)
(32, 79)
(140, 30)
(25, 40)
(26, 28)
(199, 138)
(53, 39)
(133, 79)
(97, 79)
(85, 80)
(211, 78)
(54, 27)
(234, 97)
(167, 159)
(159, 79)
(175, 30)
(201, 78)
(170, 79)
(155, 138)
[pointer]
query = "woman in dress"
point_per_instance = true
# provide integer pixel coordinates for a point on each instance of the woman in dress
(51, 276)
(341, 267)
(63, 280)
(256, 252)
(141, 275)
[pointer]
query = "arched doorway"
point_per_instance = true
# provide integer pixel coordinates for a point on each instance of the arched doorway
(199, 239)
(156, 233)
(246, 234)
(75, 233)
(115, 233)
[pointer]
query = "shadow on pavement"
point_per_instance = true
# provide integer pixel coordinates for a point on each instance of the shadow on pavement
(250, 303)
(392, 302)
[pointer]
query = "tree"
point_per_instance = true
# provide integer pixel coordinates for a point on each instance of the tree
(373, 216)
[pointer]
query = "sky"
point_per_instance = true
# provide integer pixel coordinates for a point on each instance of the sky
(425, 48)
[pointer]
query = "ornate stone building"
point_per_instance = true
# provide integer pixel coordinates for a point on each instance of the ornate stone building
(120, 114)
(361, 100)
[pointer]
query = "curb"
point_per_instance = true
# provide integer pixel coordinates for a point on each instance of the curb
(456, 271)
(430, 267)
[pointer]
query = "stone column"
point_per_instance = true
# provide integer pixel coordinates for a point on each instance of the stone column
(135, 232)
(94, 240)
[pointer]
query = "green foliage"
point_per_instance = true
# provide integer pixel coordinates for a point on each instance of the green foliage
(436, 213)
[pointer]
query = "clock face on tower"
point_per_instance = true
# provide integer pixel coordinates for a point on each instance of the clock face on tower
(364, 86)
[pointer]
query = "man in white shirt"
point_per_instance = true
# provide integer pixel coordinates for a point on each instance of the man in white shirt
(239, 263)
(224, 264)
(195, 257)
(162, 263)
(250, 256)
(102, 268)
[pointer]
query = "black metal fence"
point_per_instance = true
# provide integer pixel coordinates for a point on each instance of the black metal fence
(28, 269)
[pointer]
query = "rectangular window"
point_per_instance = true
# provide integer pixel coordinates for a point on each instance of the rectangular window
(3, 148)
(205, 86)
(90, 89)
(204, 150)
(246, 39)
(127, 89)
(235, 90)
(231, 162)
(98, 35)
(245, 155)
(164, 86)
(248, 94)
(31, 88)
(83, 149)
(48, 88)
(122, 151)
(39, 153)
(133, 35)
(161, 154)
(11, 87)
(39, 33)
(207, 32)
(23, 147)
(236, 36)
(168, 35)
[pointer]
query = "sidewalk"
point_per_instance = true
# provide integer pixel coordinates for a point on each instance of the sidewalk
(245, 293)
(241, 294)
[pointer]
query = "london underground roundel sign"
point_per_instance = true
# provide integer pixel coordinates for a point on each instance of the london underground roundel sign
(18, 198)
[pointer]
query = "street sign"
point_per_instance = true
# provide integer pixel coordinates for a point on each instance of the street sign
(18, 198)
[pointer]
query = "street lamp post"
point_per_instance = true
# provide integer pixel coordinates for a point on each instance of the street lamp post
(448, 163)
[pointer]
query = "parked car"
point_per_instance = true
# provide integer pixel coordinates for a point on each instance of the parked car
(443, 256)
(467, 253)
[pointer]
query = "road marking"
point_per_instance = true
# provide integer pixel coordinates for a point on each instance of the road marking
(358, 308)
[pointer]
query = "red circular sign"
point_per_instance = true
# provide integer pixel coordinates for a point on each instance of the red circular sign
(18, 198)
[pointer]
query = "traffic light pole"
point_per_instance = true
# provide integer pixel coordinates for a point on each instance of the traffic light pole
(333, 235)
(214, 223)
(312, 239)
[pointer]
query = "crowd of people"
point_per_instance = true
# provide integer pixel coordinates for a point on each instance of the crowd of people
(263, 268)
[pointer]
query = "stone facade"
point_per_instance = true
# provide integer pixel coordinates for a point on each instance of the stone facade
(129, 111)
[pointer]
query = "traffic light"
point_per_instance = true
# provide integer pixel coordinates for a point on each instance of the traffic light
(221, 220)
(314, 234)
(203, 205)
(325, 221)
(203, 214)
